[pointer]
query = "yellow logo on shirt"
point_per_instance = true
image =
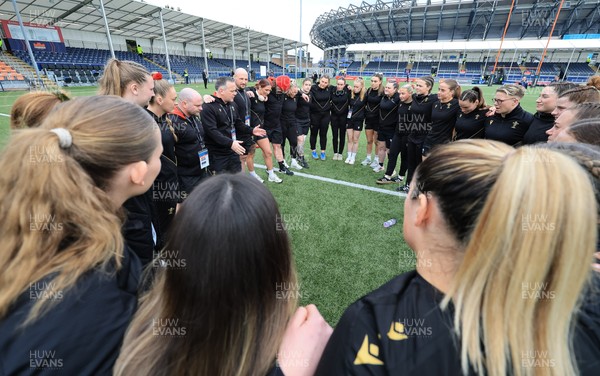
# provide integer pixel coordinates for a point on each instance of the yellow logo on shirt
(396, 332)
(368, 354)
(449, 104)
(491, 121)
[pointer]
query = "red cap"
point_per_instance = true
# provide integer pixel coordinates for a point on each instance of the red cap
(283, 82)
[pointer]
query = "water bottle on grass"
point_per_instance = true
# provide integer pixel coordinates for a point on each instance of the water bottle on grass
(390, 223)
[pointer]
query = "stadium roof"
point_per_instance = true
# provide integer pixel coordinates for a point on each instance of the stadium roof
(449, 20)
(509, 44)
(135, 19)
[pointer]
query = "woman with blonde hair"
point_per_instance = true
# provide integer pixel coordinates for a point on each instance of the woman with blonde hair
(510, 122)
(480, 300)
(128, 80)
(68, 286)
(132, 82)
(202, 303)
(30, 110)
(356, 118)
(166, 191)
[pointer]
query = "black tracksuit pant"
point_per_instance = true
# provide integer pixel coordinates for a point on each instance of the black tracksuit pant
(319, 123)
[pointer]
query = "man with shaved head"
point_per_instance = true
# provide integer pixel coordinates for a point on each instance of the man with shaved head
(189, 143)
(242, 101)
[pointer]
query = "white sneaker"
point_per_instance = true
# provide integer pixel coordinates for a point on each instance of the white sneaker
(255, 175)
(352, 160)
(286, 165)
(375, 163)
(295, 164)
(274, 178)
(366, 162)
(378, 168)
(348, 160)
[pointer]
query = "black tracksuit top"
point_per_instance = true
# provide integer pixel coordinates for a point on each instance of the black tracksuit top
(388, 112)
(471, 125)
(320, 98)
(421, 107)
(509, 129)
(372, 100)
(542, 121)
(340, 101)
(443, 118)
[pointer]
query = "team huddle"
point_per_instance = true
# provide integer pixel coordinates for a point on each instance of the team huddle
(134, 245)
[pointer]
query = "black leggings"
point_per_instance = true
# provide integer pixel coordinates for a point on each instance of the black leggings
(319, 122)
(399, 146)
(290, 132)
(414, 158)
(338, 128)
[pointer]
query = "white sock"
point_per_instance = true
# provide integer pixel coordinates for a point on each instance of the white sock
(270, 172)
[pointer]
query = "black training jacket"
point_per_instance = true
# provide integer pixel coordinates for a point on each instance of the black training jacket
(471, 125)
(82, 333)
(542, 121)
(443, 118)
(509, 129)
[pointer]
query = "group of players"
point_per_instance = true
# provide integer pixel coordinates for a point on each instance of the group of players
(218, 256)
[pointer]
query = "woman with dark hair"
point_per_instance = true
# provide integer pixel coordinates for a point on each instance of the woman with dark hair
(471, 119)
(443, 115)
(340, 99)
(585, 131)
(320, 106)
(576, 95)
(422, 104)
(373, 98)
(231, 326)
(471, 218)
(68, 287)
(510, 122)
(387, 122)
(582, 111)
(543, 118)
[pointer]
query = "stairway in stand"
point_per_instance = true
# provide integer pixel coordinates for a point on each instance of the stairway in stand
(25, 69)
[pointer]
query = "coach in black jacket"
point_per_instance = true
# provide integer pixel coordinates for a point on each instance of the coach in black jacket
(190, 140)
(223, 127)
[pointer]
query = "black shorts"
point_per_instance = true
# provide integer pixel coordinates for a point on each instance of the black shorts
(372, 124)
(248, 145)
(385, 135)
(225, 163)
(303, 126)
(355, 125)
(275, 135)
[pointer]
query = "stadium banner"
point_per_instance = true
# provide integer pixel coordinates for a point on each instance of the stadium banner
(41, 38)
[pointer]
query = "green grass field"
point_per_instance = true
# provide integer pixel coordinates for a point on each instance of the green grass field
(341, 248)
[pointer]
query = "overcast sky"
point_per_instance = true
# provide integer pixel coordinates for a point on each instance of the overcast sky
(283, 15)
